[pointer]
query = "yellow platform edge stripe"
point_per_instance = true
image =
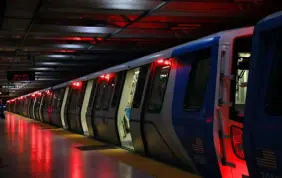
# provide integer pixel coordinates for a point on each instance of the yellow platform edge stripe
(155, 168)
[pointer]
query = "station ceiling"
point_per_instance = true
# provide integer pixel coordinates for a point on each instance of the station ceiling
(64, 39)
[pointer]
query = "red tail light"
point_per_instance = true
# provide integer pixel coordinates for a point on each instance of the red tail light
(237, 141)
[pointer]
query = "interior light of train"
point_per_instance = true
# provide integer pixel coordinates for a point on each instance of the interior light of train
(244, 55)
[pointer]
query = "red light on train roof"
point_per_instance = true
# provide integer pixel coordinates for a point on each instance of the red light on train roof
(165, 62)
(76, 84)
(107, 76)
(160, 61)
(48, 92)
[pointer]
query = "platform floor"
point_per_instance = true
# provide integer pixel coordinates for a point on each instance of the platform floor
(31, 149)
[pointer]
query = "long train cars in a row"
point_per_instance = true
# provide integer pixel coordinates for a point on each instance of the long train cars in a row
(184, 105)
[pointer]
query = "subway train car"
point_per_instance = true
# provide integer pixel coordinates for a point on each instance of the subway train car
(263, 120)
(183, 105)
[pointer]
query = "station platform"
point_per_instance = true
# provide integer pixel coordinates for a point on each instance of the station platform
(33, 149)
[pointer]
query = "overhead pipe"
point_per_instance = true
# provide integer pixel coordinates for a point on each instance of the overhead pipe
(143, 15)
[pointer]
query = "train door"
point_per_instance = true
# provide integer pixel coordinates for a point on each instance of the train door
(125, 106)
(86, 108)
(41, 106)
(74, 104)
(64, 109)
(33, 106)
(229, 114)
(56, 104)
(105, 108)
(91, 87)
(30, 104)
(25, 106)
(136, 124)
(37, 106)
(46, 107)
(263, 121)
(156, 124)
(194, 103)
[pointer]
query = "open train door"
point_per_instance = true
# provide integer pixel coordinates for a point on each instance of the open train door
(263, 114)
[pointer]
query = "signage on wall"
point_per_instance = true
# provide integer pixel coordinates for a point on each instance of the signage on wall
(20, 76)
(9, 86)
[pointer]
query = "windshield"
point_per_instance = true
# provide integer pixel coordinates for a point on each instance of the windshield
(273, 54)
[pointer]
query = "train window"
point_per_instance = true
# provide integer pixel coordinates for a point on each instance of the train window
(54, 98)
(60, 97)
(74, 98)
(140, 86)
(198, 80)
(109, 93)
(38, 100)
(100, 94)
(158, 89)
(47, 100)
(57, 97)
(118, 88)
(240, 69)
(274, 97)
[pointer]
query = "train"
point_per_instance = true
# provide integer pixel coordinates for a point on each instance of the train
(187, 106)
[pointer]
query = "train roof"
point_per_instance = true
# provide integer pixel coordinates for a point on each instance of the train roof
(271, 16)
(152, 57)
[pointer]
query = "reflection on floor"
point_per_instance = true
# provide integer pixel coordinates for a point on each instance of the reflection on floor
(27, 151)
